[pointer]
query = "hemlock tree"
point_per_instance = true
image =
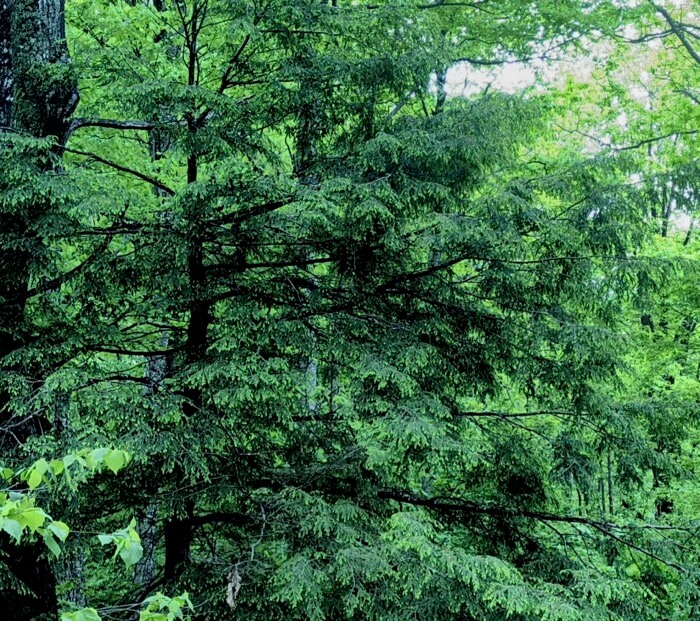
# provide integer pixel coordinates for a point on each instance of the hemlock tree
(361, 339)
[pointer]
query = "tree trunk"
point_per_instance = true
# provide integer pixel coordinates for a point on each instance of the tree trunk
(6, 77)
(44, 89)
(178, 532)
(38, 93)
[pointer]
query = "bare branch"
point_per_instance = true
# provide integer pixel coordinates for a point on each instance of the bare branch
(130, 171)
(132, 352)
(76, 124)
(679, 31)
(647, 141)
(684, 91)
(513, 414)
(59, 280)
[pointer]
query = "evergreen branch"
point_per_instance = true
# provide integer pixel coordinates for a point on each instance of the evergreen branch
(465, 506)
(568, 547)
(291, 263)
(221, 517)
(639, 549)
(226, 78)
(59, 280)
(467, 5)
(132, 352)
(434, 269)
(635, 145)
(402, 278)
(513, 414)
(116, 378)
(125, 169)
(296, 31)
(254, 211)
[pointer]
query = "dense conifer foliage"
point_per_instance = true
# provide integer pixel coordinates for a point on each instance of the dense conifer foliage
(291, 330)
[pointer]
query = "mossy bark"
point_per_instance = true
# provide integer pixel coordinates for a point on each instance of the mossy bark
(44, 87)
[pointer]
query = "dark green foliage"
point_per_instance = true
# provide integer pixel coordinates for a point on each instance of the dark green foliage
(368, 364)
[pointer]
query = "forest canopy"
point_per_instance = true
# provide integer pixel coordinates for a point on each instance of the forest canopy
(295, 326)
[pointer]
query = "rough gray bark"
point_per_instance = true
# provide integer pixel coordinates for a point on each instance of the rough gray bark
(69, 573)
(157, 370)
(6, 78)
(38, 93)
(145, 570)
(44, 89)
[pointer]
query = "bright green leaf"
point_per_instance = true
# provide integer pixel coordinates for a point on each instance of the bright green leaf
(12, 528)
(51, 543)
(131, 553)
(115, 460)
(59, 529)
